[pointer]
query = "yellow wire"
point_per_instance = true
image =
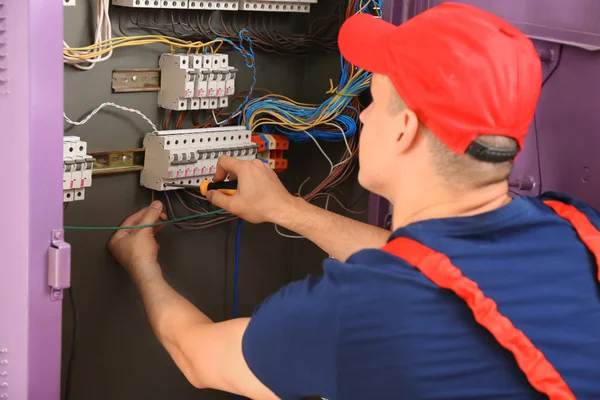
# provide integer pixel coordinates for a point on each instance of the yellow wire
(106, 46)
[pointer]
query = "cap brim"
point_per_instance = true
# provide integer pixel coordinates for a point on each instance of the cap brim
(363, 42)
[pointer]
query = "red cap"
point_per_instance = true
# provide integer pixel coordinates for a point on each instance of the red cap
(463, 71)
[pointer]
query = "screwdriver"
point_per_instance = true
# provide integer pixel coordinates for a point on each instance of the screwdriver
(226, 187)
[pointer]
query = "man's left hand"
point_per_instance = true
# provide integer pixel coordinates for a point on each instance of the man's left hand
(136, 249)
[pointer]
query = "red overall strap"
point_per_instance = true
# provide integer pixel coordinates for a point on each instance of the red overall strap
(439, 269)
(588, 234)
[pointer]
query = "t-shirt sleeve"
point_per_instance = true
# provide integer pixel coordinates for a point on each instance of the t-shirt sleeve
(291, 342)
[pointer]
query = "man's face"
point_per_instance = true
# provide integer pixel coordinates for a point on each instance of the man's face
(380, 127)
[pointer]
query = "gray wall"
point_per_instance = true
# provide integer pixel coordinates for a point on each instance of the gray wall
(115, 355)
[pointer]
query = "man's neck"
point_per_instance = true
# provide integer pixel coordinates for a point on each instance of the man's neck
(448, 204)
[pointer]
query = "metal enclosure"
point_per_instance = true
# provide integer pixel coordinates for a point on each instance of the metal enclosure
(31, 133)
(560, 149)
(115, 354)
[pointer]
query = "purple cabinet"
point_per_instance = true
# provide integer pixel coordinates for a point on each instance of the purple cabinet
(31, 129)
(560, 150)
(572, 22)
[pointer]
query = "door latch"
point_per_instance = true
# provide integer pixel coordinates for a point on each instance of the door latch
(59, 265)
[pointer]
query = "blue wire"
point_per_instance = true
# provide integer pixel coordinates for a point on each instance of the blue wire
(307, 114)
(236, 271)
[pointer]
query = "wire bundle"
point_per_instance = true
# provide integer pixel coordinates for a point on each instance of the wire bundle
(103, 34)
(301, 122)
(103, 50)
(263, 28)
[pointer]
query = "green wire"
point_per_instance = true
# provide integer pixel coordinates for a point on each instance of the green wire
(117, 228)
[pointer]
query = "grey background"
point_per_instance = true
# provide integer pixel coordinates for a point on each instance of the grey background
(115, 355)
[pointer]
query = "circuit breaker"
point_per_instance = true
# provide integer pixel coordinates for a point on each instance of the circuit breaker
(195, 82)
(222, 5)
(77, 169)
(188, 156)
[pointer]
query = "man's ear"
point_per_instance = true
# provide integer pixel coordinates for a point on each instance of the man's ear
(408, 126)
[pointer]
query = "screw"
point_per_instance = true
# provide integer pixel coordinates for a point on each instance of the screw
(586, 175)
(134, 78)
(56, 294)
(5, 350)
(57, 235)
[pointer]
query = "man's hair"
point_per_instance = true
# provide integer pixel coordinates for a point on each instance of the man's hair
(463, 171)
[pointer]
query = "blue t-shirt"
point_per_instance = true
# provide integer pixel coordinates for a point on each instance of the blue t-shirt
(375, 328)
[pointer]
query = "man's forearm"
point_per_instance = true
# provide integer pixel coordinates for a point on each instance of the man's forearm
(337, 235)
(170, 316)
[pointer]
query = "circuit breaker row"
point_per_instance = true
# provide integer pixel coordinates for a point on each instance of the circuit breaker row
(196, 82)
(223, 5)
(77, 169)
(188, 156)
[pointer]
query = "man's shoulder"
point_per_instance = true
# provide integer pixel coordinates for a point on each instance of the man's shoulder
(587, 209)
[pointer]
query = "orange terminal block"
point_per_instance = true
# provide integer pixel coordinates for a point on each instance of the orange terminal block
(259, 141)
(281, 142)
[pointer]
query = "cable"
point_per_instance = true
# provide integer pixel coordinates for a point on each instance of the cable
(560, 51)
(322, 152)
(116, 228)
(102, 34)
(279, 114)
(111, 104)
(236, 271)
(264, 29)
(73, 340)
(285, 235)
(85, 57)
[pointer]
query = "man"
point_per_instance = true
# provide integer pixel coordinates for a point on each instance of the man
(474, 296)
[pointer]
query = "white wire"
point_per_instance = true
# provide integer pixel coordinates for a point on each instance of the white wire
(285, 235)
(101, 106)
(103, 32)
(344, 136)
(222, 122)
(322, 151)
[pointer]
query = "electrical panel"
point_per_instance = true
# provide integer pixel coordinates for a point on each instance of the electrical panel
(222, 5)
(195, 82)
(188, 156)
(77, 169)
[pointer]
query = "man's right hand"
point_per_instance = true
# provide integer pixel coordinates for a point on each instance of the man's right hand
(260, 196)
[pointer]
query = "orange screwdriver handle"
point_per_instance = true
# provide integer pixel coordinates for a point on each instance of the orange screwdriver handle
(226, 187)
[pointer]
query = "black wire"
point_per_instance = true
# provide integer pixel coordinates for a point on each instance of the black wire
(70, 362)
(321, 37)
(537, 146)
(358, 200)
(560, 50)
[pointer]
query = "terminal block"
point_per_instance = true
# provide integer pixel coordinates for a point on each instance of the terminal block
(221, 5)
(277, 5)
(77, 169)
(196, 82)
(271, 150)
(188, 156)
(138, 3)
